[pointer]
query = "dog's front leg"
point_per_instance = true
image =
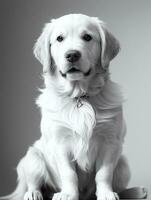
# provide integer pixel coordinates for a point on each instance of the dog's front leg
(68, 177)
(105, 166)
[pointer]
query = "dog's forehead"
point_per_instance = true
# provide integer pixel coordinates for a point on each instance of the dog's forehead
(74, 22)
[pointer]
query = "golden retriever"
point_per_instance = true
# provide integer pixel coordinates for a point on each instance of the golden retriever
(79, 154)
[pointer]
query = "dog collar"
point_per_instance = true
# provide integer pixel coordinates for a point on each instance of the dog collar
(79, 100)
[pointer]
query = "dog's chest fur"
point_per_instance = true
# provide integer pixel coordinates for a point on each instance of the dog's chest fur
(95, 122)
(92, 127)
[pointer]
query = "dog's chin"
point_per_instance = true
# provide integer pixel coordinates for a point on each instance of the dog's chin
(75, 75)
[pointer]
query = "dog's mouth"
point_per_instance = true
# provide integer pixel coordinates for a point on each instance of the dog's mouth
(75, 74)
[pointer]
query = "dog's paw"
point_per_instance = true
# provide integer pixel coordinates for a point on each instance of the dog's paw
(107, 195)
(64, 196)
(33, 195)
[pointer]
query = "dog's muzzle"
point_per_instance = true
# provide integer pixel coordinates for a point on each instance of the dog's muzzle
(75, 74)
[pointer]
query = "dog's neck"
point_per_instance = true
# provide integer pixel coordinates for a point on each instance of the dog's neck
(90, 86)
(99, 87)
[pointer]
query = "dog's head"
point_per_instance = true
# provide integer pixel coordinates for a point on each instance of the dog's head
(73, 49)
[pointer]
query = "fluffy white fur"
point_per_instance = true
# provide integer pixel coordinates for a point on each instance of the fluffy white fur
(82, 126)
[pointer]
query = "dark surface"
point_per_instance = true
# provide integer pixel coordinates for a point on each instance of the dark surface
(130, 193)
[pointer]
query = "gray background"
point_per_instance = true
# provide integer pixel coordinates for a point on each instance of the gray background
(20, 76)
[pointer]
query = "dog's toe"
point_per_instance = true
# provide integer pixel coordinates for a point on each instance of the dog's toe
(33, 195)
(63, 196)
(108, 196)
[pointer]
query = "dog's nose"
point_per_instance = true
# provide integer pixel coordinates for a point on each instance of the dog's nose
(73, 55)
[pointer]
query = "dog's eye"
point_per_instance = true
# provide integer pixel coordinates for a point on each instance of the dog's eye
(60, 38)
(87, 37)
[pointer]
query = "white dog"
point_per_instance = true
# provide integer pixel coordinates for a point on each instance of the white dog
(79, 152)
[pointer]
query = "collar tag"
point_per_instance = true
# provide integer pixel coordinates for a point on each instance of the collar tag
(79, 102)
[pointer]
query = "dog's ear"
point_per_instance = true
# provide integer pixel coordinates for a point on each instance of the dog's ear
(42, 48)
(109, 44)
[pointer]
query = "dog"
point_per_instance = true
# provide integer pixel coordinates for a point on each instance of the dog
(79, 154)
